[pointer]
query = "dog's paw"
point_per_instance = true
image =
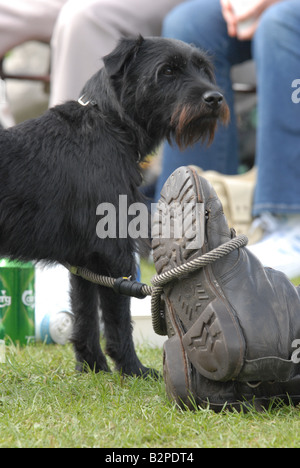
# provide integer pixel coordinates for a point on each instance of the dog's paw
(152, 373)
(145, 372)
(85, 367)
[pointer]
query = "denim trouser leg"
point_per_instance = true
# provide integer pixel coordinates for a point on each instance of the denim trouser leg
(201, 22)
(276, 50)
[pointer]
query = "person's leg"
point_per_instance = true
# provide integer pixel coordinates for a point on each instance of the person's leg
(23, 20)
(201, 22)
(277, 56)
(87, 31)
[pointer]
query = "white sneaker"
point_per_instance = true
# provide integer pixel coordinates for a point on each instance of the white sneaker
(280, 245)
(6, 118)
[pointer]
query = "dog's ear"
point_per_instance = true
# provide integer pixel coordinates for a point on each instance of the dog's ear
(126, 51)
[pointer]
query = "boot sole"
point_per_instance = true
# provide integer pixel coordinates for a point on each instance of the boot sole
(177, 375)
(209, 332)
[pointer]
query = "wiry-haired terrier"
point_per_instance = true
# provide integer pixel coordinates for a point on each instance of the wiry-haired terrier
(55, 170)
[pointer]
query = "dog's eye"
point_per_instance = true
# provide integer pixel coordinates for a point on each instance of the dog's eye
(167, 71)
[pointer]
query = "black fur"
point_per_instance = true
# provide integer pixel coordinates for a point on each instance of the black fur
(55, 170)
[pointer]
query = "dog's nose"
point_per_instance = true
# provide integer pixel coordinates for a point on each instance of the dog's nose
(213, 99)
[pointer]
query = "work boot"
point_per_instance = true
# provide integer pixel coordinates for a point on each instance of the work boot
(189, 389)
(232, 325)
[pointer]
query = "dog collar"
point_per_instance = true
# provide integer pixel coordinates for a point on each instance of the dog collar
(93, 103)
(86, 103)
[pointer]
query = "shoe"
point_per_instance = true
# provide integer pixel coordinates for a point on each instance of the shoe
(233, 320)
(280, 246)
(190, 390)
(6, 118)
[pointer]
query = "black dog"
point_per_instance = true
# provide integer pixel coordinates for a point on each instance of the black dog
(55, 170)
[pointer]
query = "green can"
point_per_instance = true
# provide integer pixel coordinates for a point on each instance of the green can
(17, 301)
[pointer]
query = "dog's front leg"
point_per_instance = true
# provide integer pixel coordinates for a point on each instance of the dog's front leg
(86, 332)
(118, 332)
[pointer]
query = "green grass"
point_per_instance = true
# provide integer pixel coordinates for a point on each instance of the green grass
(296, 281)
(147, 271)
(44, 402)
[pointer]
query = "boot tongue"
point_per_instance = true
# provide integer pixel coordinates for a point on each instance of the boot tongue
(217, 231)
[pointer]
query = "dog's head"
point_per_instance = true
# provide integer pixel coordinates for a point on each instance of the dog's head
(167, 87)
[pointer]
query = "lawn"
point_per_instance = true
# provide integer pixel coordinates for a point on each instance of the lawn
(45, 403)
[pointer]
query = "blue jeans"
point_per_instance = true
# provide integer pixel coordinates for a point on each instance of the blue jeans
(275, 49)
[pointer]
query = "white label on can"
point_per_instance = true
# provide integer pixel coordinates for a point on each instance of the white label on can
(5, 301)
(28, 298)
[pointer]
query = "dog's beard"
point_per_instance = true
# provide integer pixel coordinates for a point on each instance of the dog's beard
(191, 123)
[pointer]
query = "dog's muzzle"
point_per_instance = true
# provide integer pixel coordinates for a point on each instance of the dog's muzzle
(213, 99)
